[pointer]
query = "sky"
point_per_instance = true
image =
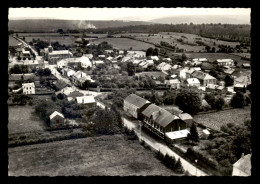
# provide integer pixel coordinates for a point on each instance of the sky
(140, 14)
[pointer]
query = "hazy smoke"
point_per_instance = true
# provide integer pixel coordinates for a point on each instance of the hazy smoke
(85, 25)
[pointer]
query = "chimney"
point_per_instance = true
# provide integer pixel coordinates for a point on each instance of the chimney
(242, 155)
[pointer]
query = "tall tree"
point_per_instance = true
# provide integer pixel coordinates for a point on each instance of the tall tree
(193, 135)
(189, 101)
(229, 81)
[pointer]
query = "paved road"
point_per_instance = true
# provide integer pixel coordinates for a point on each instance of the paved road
(162, 147)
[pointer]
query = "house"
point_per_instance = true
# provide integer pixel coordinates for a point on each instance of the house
(167, 59)
(153, 75)
(176, 67)
(68, 72)
(85, 62)
(25, 54)
(31, 63)
(88, 100)
(102, 56)
(204, 134)
(246, 65)
(186, 73)
(243, 80)
(156, 58)
(173, 76)
(66, 91)
(160, 121)
(77, 76)
(62, 63)
(121, 52)
(73, 95)
(99, 62)
(239, 87)
(186, 117)
(164, 66)
(225, 62)
(28, 88)
(204, 78)
(243, 166)
(125, 59)
(229, 71)
(55, 55)
(134, 105)
(56, 120)
(193, 82)
(146, 63)
(173, 83)
(108, 51)
(211, 87)
(199, 60)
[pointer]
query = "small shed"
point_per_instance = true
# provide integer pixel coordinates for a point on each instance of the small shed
(56, 120)
(175, 136)
(205, 134)
(186, 117)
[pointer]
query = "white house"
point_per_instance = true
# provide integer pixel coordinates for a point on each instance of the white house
(186, 73)
(62, 63)
(225, 62)
(67, 72)
(28, 88)
(99, 62)
(90, 100)
(173, 83)
(77, 76)
(101, 56)
(136, 54)
(193, 82)
(156, 58)
(164, 66)
(85, 62)
(199, 60)
(90, 56)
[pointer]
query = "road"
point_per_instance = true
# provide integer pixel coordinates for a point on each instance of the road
(162, 147)
(27, 45)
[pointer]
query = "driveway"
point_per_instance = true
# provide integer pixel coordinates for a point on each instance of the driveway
(134, 124)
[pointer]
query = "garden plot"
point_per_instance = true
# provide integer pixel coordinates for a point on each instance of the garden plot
(22, 119)
(216, 119)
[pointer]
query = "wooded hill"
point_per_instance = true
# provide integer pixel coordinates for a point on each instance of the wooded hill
(51, 25)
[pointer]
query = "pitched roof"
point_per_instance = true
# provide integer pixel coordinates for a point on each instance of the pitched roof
(136, 100)
(185, 116)
(160, 115)
(244, 164)
(224, 60)
(193, 81)
(201, 75)
(75, 94)
(55, 113)
(28, 84)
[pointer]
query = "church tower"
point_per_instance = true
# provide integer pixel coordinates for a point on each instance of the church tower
(50, 49)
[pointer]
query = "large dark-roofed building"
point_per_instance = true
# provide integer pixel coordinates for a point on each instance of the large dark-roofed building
(134, 105)
(161, 121)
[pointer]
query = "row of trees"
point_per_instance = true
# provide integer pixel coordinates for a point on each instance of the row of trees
(19, 69)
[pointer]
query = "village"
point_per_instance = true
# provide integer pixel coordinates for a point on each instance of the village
(187, 110)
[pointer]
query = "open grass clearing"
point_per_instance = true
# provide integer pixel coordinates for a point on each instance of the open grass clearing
(23, 119)
(216, 119)
(104, 155)
(13, 41)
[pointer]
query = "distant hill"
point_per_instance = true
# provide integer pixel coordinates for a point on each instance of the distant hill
(200, 19)
(49, 25)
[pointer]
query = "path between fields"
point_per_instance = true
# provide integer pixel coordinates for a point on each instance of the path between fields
(27, 45)
(162, 147)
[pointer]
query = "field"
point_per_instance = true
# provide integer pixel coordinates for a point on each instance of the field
(124, 43)
(22, 119)
(189, 40)
(217, 119)
(12, 41)
(104, 155)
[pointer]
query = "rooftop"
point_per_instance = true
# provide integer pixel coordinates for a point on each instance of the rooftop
(244, 164)
(55, 113)
(177, 134)
(136, 100)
